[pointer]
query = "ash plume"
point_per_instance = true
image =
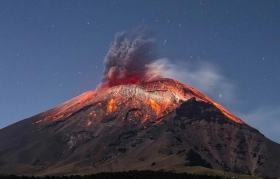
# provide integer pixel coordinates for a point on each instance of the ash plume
(128, 58)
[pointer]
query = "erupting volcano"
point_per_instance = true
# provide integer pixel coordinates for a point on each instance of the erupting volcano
(149, 101)
(136, 120)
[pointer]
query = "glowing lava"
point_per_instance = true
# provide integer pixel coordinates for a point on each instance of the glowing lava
(222, 109)
(155, 106)
(110, 105)
(67, 109)
(150, 101)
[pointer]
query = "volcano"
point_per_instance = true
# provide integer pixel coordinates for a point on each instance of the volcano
(160, 124)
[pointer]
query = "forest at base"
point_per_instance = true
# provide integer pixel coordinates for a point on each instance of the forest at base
(123, 175)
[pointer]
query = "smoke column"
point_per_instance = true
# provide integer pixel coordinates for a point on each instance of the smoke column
(128, 59)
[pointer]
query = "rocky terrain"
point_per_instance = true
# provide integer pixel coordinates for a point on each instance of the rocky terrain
(161, 124)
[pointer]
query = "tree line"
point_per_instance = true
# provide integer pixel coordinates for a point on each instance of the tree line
(147, 174)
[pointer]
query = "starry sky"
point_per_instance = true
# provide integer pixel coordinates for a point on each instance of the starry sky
(52, 51)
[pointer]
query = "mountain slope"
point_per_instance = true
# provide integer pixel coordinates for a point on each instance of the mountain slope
(157, 125)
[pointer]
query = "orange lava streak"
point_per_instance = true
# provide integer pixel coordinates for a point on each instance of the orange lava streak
(110, 105)
(67, 108)
(222, 109)
(184, 92)
(155, 106)
(226, 113)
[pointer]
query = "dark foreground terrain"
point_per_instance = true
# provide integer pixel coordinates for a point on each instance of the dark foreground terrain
(130, 174)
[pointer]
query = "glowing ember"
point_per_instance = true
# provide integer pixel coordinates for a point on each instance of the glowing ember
(89, 123)
(155, 106)
(110, 105)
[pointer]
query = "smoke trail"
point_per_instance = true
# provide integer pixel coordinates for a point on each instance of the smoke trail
(127, 60)
(201, 75)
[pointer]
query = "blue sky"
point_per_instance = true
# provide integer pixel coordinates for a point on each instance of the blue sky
(52, 51)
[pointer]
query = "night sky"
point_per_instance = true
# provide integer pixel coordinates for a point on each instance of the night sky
(52, 51)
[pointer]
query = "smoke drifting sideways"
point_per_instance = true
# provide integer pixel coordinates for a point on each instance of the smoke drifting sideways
(129, 59)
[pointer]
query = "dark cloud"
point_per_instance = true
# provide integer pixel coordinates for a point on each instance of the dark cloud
(128, 58)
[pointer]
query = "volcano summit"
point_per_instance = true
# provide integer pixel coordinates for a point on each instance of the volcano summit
(135, 120)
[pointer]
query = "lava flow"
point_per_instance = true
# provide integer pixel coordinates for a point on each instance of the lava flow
(66, 109)
(222, 109)
(150, 101)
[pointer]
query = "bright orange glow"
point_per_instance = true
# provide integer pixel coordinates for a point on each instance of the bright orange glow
(155, 106)
(66, 109)
(227, 114)
(132, 79)
(110, 105)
